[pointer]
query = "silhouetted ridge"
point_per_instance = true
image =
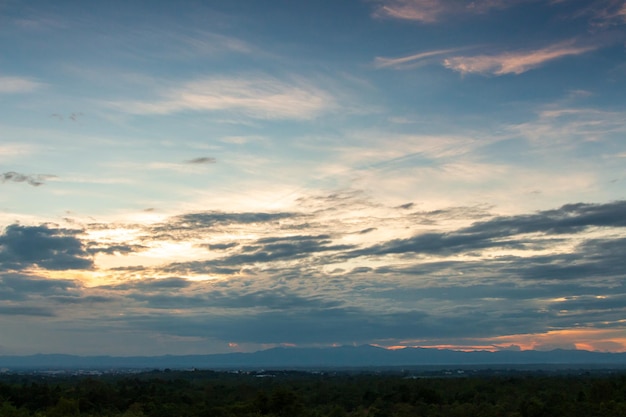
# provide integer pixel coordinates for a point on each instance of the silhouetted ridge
(343, 356)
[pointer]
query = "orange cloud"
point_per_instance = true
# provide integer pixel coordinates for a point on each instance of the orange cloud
(602, 340)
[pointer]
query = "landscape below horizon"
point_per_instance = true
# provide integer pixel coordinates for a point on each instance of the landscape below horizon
(366, 356)
(229, 176)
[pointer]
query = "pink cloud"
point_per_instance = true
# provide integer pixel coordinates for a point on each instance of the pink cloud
(428, 11)
(512, 62)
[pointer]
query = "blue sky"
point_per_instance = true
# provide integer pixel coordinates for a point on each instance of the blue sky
(200, 177)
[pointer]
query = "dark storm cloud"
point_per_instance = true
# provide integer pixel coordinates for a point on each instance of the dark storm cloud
(198, 267)
(169, 301)
(506, 232)
(149, 286)
(184, 294)
(18, 287)
(347, 325)
(77, 299)
(25, 311)
(605, 249)
(590, 303)
(597, 261)
(50, 248)
(34, 180)
(208, 219)
(40, 296)
(436, 243)
(570, 218)
(264, 250)
(218, 246)
(155, 284)
(600, 261)
(326, 325)
(201, 160)
(279, 315)
(275, 299)
(94, 247)
(179, 226)
(281, 248)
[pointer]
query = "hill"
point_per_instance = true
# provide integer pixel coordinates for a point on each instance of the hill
(337, 357)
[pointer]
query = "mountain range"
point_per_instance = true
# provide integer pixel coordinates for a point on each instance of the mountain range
(335, 357)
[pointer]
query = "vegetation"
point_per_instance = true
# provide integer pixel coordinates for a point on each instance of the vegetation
(293, 394)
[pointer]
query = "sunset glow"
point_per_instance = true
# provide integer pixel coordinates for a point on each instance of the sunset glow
(206, 177)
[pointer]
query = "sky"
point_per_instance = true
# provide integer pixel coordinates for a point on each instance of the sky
(199, 177)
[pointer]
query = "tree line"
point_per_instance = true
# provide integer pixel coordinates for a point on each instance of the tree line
(294, 394)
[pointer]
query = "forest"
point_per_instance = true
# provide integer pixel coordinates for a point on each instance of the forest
(167, 393)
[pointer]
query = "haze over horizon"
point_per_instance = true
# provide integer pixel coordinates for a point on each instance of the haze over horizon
(200, 177)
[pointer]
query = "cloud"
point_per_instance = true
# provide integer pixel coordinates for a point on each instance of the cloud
(73, 116)
(304, 249)
(22, 247)
(177, 43)
(258, 300)
(8, 150)
(411, 61)
(201, 220)
(21, 287)
(25, 311)
(505, 232)
(13, 85)
(426, 11)
(568, 128)
(80, 299)
(151, 285)
(430, 11)
(466, 274)
(94, 247)
(605, 13)
(34, 180)
(258, 97)
(294, 325)
(219, 246)
(513, 62)
(281, 248)
(201, 160)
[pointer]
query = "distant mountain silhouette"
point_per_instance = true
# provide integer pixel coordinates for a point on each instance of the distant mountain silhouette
(337, 357)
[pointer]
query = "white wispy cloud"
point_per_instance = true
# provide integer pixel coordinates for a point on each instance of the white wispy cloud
(410, 61)
(11, 84)
(567, 127)
(513, 62)
(10, 150)
(259, 97)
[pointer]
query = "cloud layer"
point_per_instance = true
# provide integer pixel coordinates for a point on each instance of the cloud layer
(293, 278)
